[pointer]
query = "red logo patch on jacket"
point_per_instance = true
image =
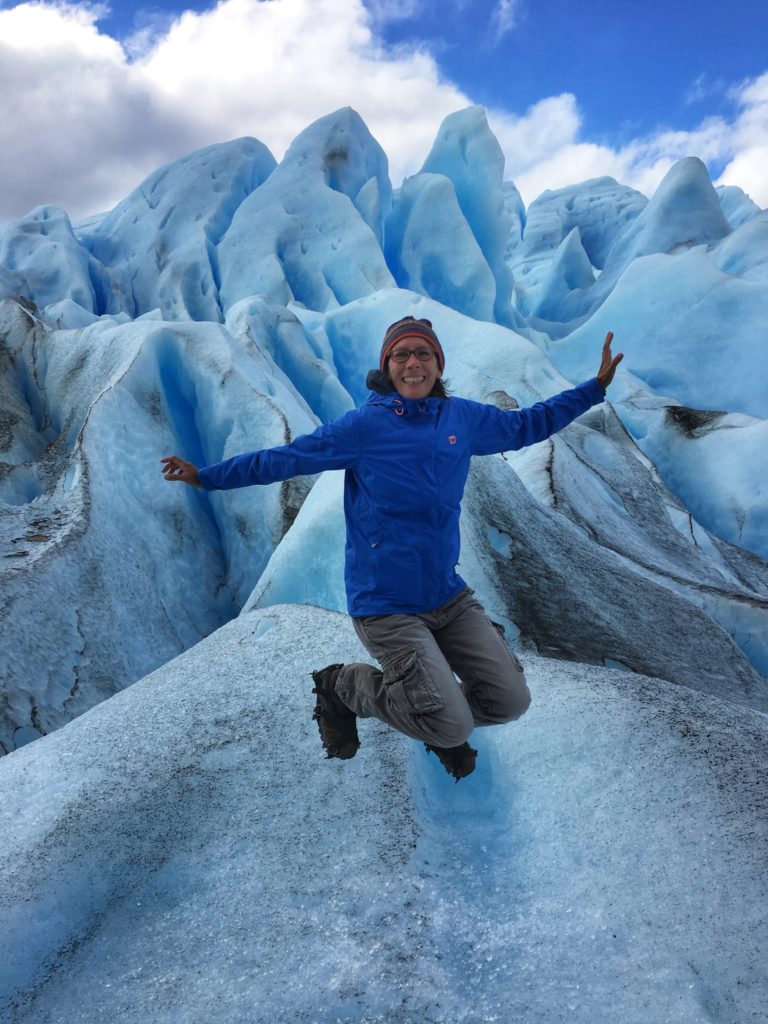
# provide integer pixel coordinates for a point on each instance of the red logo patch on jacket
(452, 439)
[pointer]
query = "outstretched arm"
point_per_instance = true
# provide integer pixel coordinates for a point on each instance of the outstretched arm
(609, 362)
(497, 431)
(178, 471)
(334, 445)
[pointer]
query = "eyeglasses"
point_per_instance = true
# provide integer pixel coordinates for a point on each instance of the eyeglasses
(402, 355)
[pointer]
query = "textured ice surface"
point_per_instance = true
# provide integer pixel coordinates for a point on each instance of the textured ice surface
(43, 261)
(675, 314)
(564, 290)
(693, 450)
(745, 252)
(600, 208)
(468, 153)
(683, 211)
(185, 852)
(271, 332)
(603, 211)
(431, 249)
(307, 567)
(106, 572)
(159, 246)
(736, 204)
(301, 237)
(452, 224)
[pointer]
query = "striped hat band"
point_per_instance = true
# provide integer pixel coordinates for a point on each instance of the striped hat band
(410, 327)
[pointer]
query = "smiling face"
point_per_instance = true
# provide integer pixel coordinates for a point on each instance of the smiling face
(414, 378)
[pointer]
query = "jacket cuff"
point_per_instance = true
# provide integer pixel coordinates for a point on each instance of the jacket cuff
(596, 389)
(203, 478)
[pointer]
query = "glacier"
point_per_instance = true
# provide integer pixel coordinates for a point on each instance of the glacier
(179, 853)
(232, 302)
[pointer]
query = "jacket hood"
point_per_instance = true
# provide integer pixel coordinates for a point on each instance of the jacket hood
(378, 382)
(404, 406)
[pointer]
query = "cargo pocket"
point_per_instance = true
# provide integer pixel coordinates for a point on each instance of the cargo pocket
(409, 686)
(503, 634)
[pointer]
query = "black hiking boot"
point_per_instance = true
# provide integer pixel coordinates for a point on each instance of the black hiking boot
(457, 761)
(337, 724)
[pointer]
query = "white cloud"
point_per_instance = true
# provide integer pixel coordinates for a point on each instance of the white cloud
(705, 88)
(384, 11)
(739, 143)
(544, 129)
(83, 122)
(30, 28)
(504, 18)
(270, 69)
(544, 149)
(698, 91)
(149, 27)
(747, 164)
(79, 126)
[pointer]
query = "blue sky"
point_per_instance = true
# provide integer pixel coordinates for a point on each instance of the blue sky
(633, 66)
(570, 89)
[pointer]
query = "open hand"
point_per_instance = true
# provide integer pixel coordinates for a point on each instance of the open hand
(609, 362)
(178, 471)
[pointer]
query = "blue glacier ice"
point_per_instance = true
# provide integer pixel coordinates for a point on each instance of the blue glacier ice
(736, 205)
(432, 249)
(159, 246)
(564, 289)
(174, 846)
(468, 154)
(183, 852)
(602, 211)
(232, 302)
(312, 233)
(43, 261)
(684, 210)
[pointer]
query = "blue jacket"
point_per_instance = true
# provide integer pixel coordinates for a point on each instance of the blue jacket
(406, 463)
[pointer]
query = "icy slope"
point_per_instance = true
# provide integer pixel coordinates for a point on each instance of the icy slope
(684, 211)
(693, 337)
(105, 571)
(44, 262)
(597, 212)
(159, 246)
(312, 233)
(184, 852)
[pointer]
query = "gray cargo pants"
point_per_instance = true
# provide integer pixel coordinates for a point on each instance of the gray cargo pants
(417, 692)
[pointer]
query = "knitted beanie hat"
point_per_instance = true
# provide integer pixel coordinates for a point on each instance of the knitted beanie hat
(410, 327)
